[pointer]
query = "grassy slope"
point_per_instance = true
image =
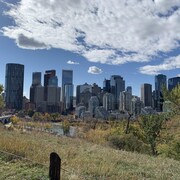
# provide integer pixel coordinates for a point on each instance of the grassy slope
(82, 160)
(18, 169)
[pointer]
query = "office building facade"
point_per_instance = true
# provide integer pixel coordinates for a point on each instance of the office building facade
(117, 85)
(83, 94)
(67, 86)
(146, 94)
(160, 83)
(173, 82)
(106, 85)
(108, 101)
(14, 81)
(36, 81)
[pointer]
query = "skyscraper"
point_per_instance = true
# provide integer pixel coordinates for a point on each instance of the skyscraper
(136, 105)
(68, 92)
(51, 91)
(160, 82)
(67, 79)
(93, 103)
(125, 100)
(173, 82)
(106, 85)
(36, 81)
(83, 94)
(108, 101)
(14, 81)
(146, 94)
(48, 78)
(117, 85)
(36, 78)
(95, 89)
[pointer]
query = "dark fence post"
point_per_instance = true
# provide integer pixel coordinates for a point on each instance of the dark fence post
(55, 167)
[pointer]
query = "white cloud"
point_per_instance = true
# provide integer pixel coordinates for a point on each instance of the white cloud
(168, 64)
(94, 70)
(112, 32)
(72, 62)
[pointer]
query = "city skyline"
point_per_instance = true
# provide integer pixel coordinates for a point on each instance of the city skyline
(40, 79)
(93, 39)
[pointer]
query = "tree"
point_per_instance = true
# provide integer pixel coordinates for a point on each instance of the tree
(128, 122)
(174, 97)
(151, 126)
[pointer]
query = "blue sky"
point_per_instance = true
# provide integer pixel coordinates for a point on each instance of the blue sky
(95, 38)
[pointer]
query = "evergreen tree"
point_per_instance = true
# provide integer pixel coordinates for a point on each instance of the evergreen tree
(151, 126)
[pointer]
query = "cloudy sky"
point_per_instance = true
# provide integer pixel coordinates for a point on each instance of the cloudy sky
(96, 38)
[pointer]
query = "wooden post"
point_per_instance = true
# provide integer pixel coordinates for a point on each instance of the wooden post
(55, 167)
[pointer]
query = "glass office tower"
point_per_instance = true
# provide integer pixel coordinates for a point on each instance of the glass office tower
(36, 81)
(68, 96)
(146, 94)
(49, 78)
(160, 82)
(173, 82)
(14, 80)
(67, 86)
(67, 78)
(117, 85)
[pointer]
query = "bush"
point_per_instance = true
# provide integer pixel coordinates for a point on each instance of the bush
(128, 142)
(66, 127)
(14, 119)
(172, 150)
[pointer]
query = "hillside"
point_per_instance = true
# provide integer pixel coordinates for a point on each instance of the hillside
(80, 159)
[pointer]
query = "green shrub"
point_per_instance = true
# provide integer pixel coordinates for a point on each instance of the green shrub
(170, 150)
(66, 127)
(128, 142)
(14, 119)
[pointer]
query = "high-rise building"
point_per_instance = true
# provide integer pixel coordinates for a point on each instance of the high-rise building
(51, 91)
(36, 78)
(160, 82)
(36, 81)
(146, 94)
(173, 82)
(125, 101)
(93, 104)
(136, 105)
(67, 81)
(83, 94)
(106, 85)
(68, 94)
(47, 97)
(14, 81)
(96, 89)
(48, 74)
(53, 98)
(108, 101)
(129, 89)
(48, 78)
(40, 104)
(117, 85)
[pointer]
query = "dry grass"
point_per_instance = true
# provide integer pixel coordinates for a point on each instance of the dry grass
(87, 160)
